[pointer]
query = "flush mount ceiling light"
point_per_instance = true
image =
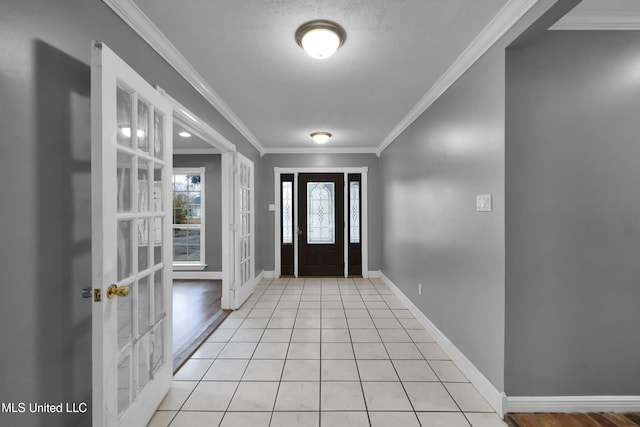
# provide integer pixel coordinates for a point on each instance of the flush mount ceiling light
(320, 38)
(184, 134)
(320, 137)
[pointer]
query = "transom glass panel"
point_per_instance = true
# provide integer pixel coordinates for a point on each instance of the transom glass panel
(321, 219)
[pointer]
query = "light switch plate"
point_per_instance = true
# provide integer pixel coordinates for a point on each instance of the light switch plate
(272, 207)
(484, 203)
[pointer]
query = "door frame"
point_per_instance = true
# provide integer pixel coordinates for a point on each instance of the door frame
(227, 151)
(363, 171)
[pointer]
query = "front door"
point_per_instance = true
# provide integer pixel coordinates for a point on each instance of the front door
(131, 162)
(321, 224)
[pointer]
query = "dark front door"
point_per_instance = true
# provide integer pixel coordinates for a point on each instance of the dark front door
(321, 222)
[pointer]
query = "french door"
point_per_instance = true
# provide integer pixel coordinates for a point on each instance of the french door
(131, 165)
(245, 282)
(321, 224)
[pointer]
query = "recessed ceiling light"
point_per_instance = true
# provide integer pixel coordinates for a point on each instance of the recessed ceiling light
(320, 137)
(184, 134)
(320, 38)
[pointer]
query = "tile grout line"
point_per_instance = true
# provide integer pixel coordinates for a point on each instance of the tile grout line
(255, 304)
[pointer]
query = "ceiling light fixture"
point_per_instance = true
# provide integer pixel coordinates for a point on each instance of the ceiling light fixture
(320, 137)
(320, 38)
(184, 134)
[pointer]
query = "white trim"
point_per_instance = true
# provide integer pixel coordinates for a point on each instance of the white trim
(572, 404)
(374, 274)
(599, 20)
(188, 267)
(296, 225)
(133, 16)
(356, 169)
(276, 221)
(201, 275)
(267, 274)
(191, 151)
(323, 150)
(277, 171)
(198, 127)
(228, 241)
(504, 19)
(345, 224)
(364, 244)
(491, 394)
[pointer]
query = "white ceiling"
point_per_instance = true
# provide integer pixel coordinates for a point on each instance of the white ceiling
(194, 142)
(394, 53)
(365, 94)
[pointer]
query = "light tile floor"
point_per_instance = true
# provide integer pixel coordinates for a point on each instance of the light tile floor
(322, 352)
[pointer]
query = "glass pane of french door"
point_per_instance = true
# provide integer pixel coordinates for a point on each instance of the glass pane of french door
(140, 174)
(245, 223)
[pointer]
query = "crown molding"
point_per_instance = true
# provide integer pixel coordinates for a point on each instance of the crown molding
(504, 19)
(323, 150)
(141, 24)
(599, 20)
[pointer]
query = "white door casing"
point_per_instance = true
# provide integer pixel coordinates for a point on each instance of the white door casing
(131, 162)
(196, 125)
(363, 171)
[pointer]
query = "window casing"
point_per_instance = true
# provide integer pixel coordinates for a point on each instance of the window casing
(189, 218)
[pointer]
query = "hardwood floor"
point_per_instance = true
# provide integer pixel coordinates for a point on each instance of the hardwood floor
(196, 313)
(573, 420)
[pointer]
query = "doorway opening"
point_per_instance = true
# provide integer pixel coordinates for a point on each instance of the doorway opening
(321, 222)
(200, 224)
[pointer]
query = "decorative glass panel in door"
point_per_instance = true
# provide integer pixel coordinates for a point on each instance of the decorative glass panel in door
(131, 179)
(321, 217)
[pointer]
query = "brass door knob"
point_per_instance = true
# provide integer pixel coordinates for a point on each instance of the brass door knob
(117, 291)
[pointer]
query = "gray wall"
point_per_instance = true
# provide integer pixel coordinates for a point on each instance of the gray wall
(213, 207)
(45, 249)
(265, 218)
(573, 215)
(432, 234)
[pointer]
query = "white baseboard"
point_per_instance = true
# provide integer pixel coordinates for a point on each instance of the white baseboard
(374, 274)
(203, 275)
(480, 382)
(573, 404)
(267, 274)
